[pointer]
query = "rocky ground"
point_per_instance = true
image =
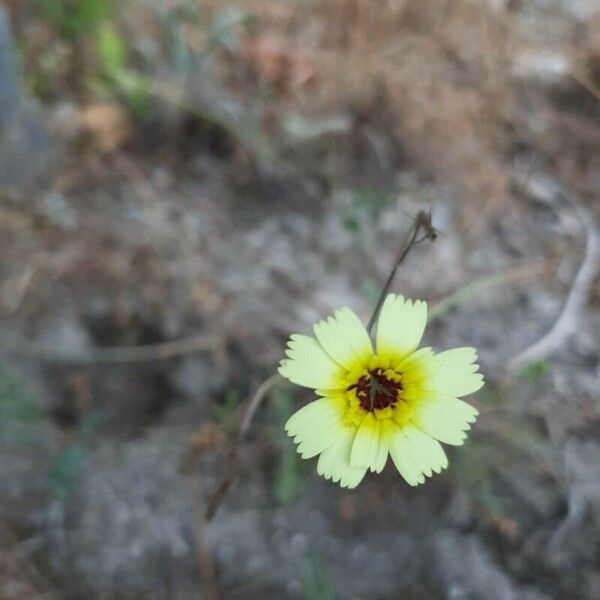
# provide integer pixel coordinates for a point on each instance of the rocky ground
(152, 271)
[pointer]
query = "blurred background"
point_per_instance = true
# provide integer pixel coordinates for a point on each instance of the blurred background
(183, 183)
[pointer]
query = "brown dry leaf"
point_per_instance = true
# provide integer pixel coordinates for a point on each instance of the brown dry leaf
(347, 507)
(508, 528)
(107, 123)
(278, 63)
(208, 436)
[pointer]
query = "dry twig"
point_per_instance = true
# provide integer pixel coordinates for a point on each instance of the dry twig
(231, 461)
(568, 320)
(14, 567)
(110, 354)
(422, 222)
(586, 83)
(206, 563)
(475, 288)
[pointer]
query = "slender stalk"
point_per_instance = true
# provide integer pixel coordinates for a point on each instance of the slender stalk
(422, 222)
(232, 459)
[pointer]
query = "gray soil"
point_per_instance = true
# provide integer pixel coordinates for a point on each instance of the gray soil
(108, 457)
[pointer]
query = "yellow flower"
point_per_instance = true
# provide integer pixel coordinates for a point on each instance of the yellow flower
(394, 400)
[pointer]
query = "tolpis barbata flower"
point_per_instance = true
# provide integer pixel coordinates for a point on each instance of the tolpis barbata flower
(393, 399)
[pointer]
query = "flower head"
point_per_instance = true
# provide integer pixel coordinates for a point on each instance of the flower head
(393, 399)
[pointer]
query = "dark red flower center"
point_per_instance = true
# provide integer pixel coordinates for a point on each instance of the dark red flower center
(375, 390)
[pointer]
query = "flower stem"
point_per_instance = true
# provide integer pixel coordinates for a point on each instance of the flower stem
(422, 222)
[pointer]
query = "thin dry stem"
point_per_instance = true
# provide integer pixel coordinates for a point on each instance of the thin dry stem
(586, 83)
(475, 288)
(111, 354)
(422, 222)
(230, 467)
(206, 561)
(570, 316)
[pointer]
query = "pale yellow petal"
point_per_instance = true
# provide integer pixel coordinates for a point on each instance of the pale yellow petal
(457, 409)
(418, 360)
(334, 462)
(345, 339)
(400, 326)
(351, 477)
(418, 367)
(428, 454)
(309, 365)
(382, 451)
(455, 372)
(402, 455)
(365, 447)
(442, 422)
(316, 426)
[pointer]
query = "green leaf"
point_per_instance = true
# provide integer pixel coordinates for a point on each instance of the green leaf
(135, 88)
(64, 471)
(19, 412)
(75, 18)
(289, 476)
(226, 413)
(315, 578)
(534, 371)
(112, 52)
